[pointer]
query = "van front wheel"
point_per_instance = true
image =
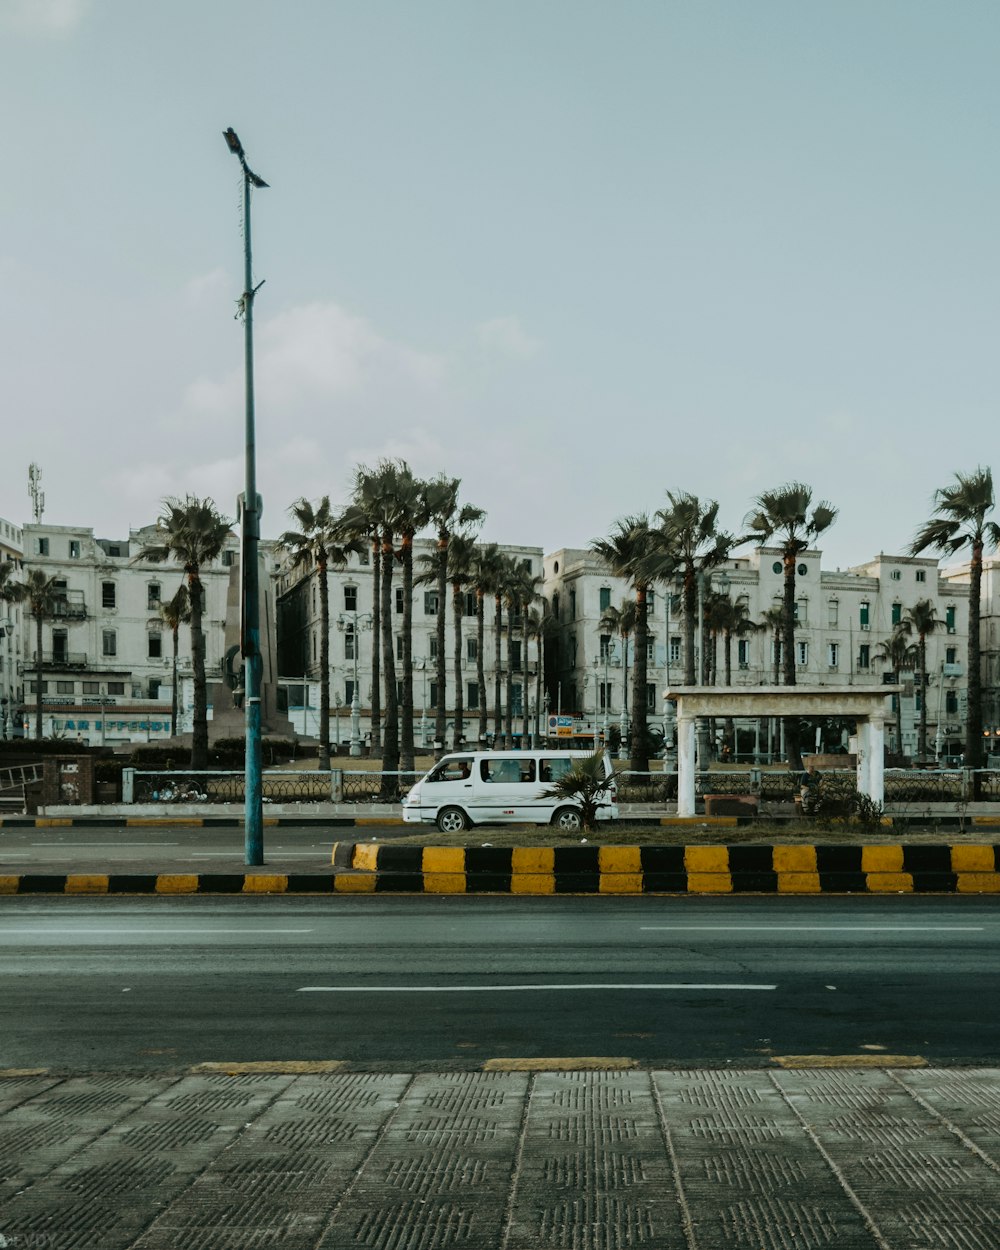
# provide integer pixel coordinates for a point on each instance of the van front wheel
(568, 819)
(452, 820)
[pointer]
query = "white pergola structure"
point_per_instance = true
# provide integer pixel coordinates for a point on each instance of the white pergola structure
(867, 706)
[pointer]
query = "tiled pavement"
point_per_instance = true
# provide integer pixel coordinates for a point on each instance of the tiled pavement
(706, 1159)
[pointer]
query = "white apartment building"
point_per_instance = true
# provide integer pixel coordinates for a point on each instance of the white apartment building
(843, 617)
(106, 662)
(11, 682)
(351, 642)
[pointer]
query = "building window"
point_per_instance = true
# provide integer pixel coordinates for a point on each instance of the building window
(432, 647)
(114, 549)
(650, 648)
(742, 652)
(951, 702)
(432, 694)
(116, 687)
(921, 575)
(109, 642)
(154, 643)
(64, 687)
(863, 620)
(91, 687)
(515, 653)
(108, 595)
(675, 649)
(895, 575)
(228, 559)
(949, 619)
(802, 611)
(400, 601)
(153, 688)
(41, 546)
(897, 613)
(470, 606)
(472, 696)
(350, 598)
(605, 598)
(153, 595)
(650, 696)
(604, 694)
(472, 648)
(605, 645)
(430, 603)
(517, 705)
(349, 642)
(833, 654)
(555, 604)
(349, 691)
(572, 605)
(864, 655)
(832, 613)
(74, 549)
(951, 655)
(399, 646)
(33, 687)
(803, 653)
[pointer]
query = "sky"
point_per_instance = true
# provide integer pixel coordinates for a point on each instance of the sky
(576, 253)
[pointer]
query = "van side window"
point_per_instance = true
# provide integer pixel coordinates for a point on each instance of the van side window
(553, 769)
(455, 769)
(507, 772)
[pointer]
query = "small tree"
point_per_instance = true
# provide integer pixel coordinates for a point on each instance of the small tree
(585, 784)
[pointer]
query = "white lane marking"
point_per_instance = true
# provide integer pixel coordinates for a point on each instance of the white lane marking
(62, 848)
(82, 931)
(230, 854)
(811, 928)
(516, 989)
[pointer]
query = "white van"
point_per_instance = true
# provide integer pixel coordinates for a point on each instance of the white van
(499, 787)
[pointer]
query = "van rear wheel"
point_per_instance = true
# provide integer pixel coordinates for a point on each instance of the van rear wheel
(452, 820)
(568, 819)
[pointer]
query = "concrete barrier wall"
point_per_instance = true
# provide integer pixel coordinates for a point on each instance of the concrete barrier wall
(366, 868)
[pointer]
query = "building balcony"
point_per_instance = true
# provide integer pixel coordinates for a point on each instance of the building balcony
(60, 659)
(70, 606)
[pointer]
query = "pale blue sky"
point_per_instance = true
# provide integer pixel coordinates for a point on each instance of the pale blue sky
(574, 253)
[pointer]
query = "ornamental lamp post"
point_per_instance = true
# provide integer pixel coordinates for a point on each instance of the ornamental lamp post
(250, 510)
(357, 621)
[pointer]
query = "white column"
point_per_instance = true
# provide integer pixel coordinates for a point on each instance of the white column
(876, 759)
(685, 765)
(864, 756)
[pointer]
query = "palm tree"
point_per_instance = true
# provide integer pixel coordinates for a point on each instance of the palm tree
(460, 554)
(922, 620)
(500, 586)
(39, 591)
(541, 626)
(690, 531)
(788, 515)
(960, 521)
(408, 513)
(10, 592)
(773, 619)
(315, 544)
(632, 551)
(175, 613)
(899, 654)
(193, 532)
(621, 621)
(360, 521)
(731, 619)
(487, 565)
(447, 515)
(528, 592)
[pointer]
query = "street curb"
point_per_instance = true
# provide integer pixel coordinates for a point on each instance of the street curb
(366, 868)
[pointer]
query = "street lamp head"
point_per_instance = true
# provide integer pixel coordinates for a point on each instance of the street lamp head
(233, 140)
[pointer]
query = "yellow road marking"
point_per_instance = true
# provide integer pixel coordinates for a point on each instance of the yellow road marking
(586, 1063)
(849, 1061)
(276, 1067)
(15, 1072)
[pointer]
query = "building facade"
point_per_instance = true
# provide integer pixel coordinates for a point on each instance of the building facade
(11, 679)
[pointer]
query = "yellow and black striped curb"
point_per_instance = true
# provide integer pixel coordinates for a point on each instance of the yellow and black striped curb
(881, 869)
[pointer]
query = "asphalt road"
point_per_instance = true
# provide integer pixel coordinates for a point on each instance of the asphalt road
(160, 984)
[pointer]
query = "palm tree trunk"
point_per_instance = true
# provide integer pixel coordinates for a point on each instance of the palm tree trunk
(922, 735)
(390, 735)
(974, 718)
(199, 735)
(376, 711)
(497, 662)
(481, 662)
(525, 726)
(788, 607)
(38, 674)
(456, 610)
(406, 715)
(441, 716)
(639, 757)
(509, 691)
(690, 618)
(173, 694)
(324, 665)
(729, 732)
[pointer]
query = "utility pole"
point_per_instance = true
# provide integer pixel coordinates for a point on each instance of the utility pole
(250, 510)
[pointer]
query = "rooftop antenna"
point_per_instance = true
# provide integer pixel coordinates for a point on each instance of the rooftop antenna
(36, 492)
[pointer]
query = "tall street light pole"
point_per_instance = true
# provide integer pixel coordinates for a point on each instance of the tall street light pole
(357, 621)
(250, 531)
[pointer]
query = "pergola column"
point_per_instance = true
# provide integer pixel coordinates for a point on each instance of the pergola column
(685, 765)
(864, 756)
(876, 759)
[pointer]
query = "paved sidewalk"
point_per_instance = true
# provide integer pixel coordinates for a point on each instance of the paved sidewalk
(890, 1159)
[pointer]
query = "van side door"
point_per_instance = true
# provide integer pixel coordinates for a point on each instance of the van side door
(506, 788)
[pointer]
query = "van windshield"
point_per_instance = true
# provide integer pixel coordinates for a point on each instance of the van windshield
(454, 768)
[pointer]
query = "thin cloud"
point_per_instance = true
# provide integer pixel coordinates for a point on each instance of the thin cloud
(43, 17)
(507, 337)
